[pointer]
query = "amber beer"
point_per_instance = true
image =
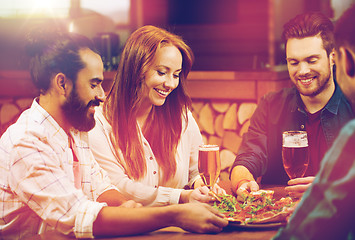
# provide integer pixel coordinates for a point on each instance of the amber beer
(295, 153)
(209, 164)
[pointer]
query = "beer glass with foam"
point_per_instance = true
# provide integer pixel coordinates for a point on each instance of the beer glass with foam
(295, 153)
(209, 164)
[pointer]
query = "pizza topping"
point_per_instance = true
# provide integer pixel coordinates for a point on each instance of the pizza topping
(257, 207)
(227, 204)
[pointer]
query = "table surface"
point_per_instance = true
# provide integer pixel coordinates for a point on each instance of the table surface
(230, 232)
(175, 233)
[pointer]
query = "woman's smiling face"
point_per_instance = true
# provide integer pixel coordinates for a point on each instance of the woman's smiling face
(163, 76)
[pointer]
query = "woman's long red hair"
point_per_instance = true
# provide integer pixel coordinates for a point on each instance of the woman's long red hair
(163, 126)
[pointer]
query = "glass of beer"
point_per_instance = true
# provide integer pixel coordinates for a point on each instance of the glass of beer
(209, 164)
(295, 153)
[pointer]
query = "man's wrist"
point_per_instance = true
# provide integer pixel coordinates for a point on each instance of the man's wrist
(241, 181)
(184, 196)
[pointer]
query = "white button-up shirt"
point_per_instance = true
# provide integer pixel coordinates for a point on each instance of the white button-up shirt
(150, 190)
(37, 189)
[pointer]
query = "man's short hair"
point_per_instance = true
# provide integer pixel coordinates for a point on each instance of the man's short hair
(345, 29)
(310, 25)
(54, 51)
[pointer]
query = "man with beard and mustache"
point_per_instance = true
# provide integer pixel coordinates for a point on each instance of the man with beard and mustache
(76, 111)
(314, 104)
(49, 179)
(327, 208)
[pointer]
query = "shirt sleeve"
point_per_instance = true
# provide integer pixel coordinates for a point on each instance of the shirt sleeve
(39, 179)
(252, 153)
(83, 222)
(148, 195)
(326, 210)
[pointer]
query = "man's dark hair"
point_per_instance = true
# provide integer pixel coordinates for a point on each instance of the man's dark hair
(53, 52)
(345, 29)
(310, 25)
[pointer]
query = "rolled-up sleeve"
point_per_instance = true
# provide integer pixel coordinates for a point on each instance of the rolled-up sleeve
(86, 215)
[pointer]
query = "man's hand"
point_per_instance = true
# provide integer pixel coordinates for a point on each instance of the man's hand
(243, 181)
(200, 218)
(298, 186)
(249, 186)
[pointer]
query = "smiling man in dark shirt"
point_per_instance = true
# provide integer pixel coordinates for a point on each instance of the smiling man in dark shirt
(327, 207)
(315, 104)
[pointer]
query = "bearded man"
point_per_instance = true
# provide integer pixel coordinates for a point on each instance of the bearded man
(327, 207)
(314, 104)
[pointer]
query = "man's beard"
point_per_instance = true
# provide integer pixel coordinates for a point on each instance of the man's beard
(322, 84)
(76, 112)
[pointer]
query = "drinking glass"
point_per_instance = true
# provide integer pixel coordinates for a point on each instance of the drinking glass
(209, 164)
(295, 153)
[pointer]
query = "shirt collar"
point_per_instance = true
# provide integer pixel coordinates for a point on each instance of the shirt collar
(332, 106)
(50, 126)
(334, 102)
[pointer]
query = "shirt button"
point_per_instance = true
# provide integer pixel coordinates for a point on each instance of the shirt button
(155, 186)
(155, 172)
(150, 158)
(302, 126)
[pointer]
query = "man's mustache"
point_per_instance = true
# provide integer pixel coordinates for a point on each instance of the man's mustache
(95, 103)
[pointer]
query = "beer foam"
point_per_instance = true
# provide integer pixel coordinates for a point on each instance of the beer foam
(294, 139)
(294, 146)
(294, 142)
(209, 148)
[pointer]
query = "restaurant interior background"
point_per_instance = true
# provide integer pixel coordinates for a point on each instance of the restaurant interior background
(237, 45)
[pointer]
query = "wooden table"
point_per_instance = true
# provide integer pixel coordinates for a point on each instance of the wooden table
(175, 233)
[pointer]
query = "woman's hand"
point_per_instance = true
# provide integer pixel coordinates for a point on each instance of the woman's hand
(131, 204)
(218, 190)
(201, 194)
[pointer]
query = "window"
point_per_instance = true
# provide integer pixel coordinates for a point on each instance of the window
(117, 10)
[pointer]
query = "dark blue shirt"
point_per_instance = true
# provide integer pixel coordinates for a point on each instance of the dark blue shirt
(260, 151)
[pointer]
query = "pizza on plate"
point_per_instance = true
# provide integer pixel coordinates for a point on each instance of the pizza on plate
(258, 207)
